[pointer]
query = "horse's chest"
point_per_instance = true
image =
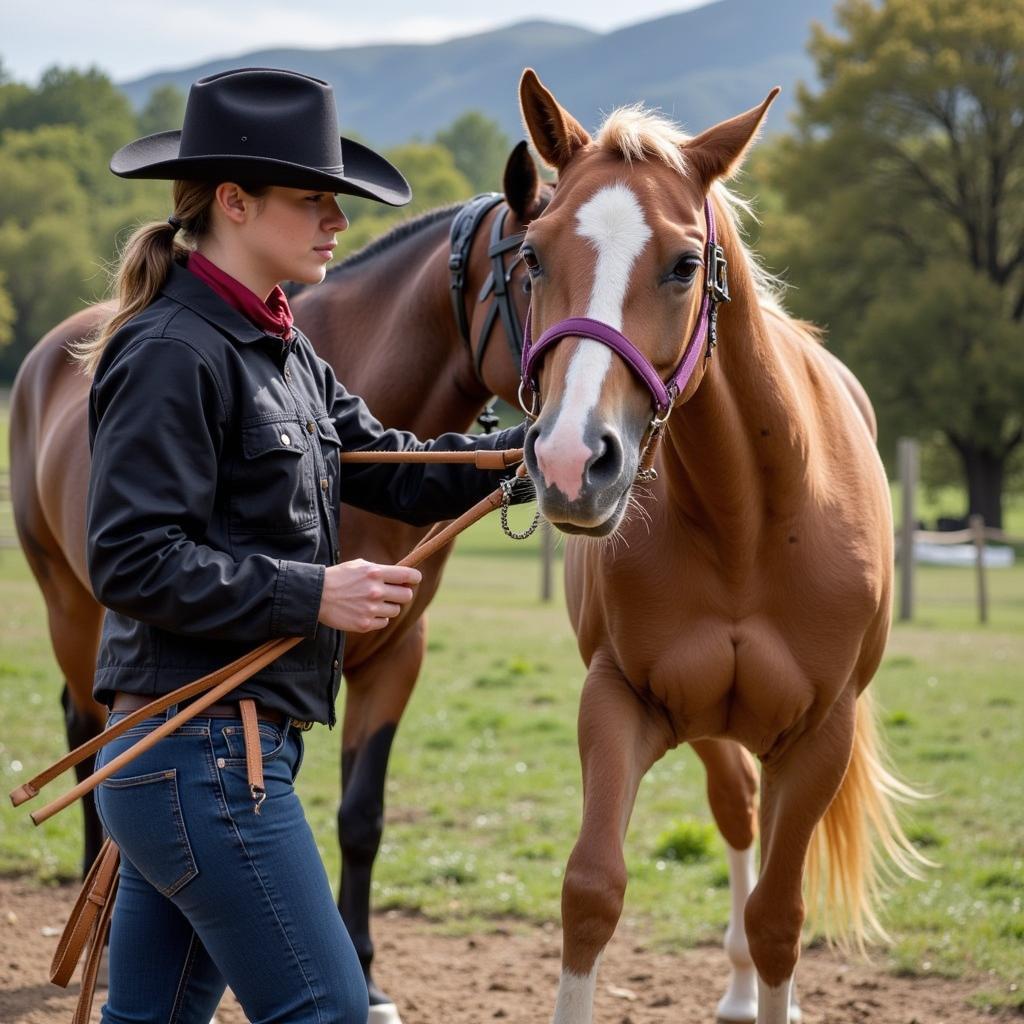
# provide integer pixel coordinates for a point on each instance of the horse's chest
(722, 660)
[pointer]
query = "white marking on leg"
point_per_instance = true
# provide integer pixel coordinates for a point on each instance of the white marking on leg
(740, 1000)
(575, 1003)
(613, 221)
(773, 1002)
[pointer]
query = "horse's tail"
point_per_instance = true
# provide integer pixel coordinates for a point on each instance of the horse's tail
(860, 842)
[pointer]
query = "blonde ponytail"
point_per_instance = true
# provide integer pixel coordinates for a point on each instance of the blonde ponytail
(144, 263)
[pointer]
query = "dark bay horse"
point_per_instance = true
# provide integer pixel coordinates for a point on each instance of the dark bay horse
(748, 599)
(385, 320)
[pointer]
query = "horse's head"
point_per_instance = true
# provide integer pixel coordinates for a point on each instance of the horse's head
(625, 243)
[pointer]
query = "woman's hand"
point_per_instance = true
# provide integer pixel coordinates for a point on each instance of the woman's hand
(361, 596)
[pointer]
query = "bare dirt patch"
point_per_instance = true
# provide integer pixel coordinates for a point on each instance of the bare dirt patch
(510, 976)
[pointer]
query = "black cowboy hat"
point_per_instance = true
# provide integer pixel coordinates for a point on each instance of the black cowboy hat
(263, 126)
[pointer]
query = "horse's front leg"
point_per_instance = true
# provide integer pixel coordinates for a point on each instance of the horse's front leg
(378, 691)
(619, 739)
(798, 787)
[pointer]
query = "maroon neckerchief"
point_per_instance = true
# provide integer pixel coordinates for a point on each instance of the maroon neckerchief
(272, 316)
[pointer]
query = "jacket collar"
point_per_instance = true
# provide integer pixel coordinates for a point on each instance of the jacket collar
(185, 288)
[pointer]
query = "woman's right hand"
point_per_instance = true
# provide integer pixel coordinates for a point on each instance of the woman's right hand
(361, 596)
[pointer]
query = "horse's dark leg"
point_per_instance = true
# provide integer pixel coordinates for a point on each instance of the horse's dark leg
(80, 729)
(377, 693)
(360, 827)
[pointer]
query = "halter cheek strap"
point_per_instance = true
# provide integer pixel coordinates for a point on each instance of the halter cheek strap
(663, 393)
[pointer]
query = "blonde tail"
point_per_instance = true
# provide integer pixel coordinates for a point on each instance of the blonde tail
(860, 842)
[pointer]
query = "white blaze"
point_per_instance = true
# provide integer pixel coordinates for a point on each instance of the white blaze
(613, 222)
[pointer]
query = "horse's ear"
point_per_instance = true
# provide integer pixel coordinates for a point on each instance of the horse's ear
(522, 183)
(556, 134)
(719, 151)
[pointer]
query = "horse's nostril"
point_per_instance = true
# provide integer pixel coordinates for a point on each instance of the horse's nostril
(606, 464)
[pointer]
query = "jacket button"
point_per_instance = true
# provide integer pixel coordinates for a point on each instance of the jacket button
(324, 484)
(285, 439)
(310, 426)
(337, 664)
(287, 374)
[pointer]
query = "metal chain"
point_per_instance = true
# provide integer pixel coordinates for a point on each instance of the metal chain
(506, 498)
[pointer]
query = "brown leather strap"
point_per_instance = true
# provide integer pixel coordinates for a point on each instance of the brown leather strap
(31, 788)
(96, 893)
(484, 459)
(267, 653)
(434, 541)
(97, 943)
(253, 753)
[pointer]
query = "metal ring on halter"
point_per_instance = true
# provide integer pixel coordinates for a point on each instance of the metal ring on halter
(531, 413)
(506, 498)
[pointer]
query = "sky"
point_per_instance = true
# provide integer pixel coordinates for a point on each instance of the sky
(131, 38)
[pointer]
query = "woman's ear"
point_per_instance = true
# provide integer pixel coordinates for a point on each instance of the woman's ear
(233, 202)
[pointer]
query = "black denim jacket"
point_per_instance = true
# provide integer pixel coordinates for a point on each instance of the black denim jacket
(214, 498)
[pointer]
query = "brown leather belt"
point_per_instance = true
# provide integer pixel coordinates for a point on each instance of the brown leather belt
(136, 701)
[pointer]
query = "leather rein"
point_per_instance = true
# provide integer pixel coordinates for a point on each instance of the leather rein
(664, 393)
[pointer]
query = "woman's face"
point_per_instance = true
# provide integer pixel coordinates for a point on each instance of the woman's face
(292, 235)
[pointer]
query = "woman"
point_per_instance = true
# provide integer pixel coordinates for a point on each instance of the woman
(212, 526)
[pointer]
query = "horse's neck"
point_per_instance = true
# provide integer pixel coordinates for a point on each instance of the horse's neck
(386, 326)
(735, 453)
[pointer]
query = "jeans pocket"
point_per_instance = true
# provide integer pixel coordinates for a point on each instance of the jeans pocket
(271, 743)
(143, 815)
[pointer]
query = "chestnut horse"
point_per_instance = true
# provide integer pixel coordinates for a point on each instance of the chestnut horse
(384, 319)
(748, 599)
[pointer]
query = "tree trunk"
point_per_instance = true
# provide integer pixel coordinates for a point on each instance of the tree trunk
(984, 471)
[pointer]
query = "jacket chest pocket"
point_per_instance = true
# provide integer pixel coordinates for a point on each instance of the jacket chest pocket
(330, 445)
(272, 487)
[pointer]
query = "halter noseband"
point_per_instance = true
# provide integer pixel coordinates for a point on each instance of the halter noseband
(663, 393)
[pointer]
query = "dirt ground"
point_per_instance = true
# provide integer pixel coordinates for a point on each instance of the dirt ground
(509, 977)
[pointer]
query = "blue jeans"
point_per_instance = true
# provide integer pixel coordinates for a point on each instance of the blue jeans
(212, 894)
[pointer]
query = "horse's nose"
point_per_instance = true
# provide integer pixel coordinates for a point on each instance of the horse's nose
(604, 467)
(572, 466)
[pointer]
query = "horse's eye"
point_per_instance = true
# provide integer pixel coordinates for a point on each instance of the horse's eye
(531, 261)
(685, 269)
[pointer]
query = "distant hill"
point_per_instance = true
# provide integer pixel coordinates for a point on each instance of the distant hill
(700, 66)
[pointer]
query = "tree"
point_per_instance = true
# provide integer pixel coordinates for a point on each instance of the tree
(87, 99)
(904, 188)
(164, 110)
(480, 149)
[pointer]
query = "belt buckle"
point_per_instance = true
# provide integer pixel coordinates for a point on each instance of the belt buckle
(297, 723)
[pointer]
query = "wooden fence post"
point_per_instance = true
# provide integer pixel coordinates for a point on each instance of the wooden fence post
(976, 524)
(908, 480)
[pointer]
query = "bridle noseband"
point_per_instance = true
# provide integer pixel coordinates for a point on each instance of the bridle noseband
(460, 241)
(663, 392)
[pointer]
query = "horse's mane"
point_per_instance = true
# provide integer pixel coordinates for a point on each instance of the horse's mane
(637, 133)
(397, 234)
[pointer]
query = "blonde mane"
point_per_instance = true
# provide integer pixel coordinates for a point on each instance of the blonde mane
(637, 133)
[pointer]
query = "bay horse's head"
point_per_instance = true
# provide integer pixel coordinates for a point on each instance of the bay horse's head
(623, 294)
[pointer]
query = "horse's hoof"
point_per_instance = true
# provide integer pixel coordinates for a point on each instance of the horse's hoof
(384, 1013)
(736, 1011)
(739, 1004)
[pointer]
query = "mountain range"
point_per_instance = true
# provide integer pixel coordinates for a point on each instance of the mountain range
(699, 66)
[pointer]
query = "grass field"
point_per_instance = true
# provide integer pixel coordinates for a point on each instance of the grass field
(484, 793)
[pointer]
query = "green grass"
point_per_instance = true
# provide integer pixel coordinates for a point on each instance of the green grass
(484, 792)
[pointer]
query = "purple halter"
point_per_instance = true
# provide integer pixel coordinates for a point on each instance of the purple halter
(664, 393)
